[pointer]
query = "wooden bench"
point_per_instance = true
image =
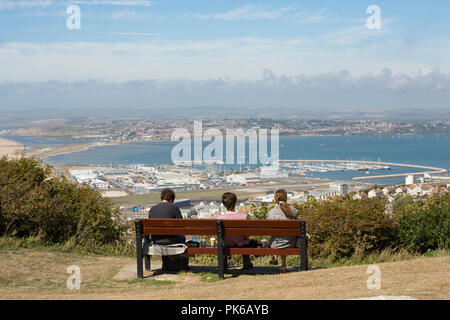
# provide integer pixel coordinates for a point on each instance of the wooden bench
(221, 228)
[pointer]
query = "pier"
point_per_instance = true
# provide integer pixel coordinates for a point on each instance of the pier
(430, 170)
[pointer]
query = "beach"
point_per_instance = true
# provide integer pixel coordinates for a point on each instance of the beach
(9, 148)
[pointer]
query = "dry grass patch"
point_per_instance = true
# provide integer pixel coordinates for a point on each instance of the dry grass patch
(39, 274)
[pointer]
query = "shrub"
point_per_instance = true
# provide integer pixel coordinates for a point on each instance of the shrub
(33, 203)
(342, 227)
(425, 224)
(262, 212)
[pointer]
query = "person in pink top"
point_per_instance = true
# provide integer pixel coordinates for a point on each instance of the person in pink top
(229, 201)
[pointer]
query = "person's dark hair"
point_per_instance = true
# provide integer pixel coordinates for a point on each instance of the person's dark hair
(229, 200)
(281, 199)
(167, 194)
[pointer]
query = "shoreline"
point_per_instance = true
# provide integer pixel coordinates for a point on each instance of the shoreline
(43, 154)
(10, 148)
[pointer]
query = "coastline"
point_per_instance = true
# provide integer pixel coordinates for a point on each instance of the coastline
(10, 148)
(44, 153)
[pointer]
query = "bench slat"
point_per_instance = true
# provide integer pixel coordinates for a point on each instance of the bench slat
(227, 223)
(179, 231)
(249, 251)
(264, 251)
(179, 222)
(261, 232)
(289, 224)
(212, 251)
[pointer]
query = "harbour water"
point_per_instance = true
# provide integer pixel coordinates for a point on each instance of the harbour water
(427, 150)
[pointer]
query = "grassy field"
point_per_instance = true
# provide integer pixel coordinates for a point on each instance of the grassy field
(38, 273)
(242, 193)
(213, 194)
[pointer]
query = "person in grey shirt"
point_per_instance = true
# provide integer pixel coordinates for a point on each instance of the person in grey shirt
(282, 211)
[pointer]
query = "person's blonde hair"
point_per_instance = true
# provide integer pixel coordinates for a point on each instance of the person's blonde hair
(281, 199)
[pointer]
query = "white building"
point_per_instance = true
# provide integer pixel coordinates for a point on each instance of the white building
(266, 199)
(375, 193)
(399, 190)
(83, 176)
(99, 184)
(414, 190)
(360, 196)
(340, 188)
(236, 178)
(409, 180)
(387, 190)
(273, 171)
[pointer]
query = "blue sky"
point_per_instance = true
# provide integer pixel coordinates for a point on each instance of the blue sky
(286, 37)
(234, 42)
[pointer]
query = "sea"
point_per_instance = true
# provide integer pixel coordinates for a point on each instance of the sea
(427, 150)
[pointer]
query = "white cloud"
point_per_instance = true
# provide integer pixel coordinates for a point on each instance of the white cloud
(314, 17)
(124, 15)
(23, 4)
(144, 34)
(247, 12)
(358, 50)
(306, 94)
(28, 4)
(130, 3)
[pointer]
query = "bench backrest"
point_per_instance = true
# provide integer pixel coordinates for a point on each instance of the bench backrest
(230, 227)
(261, 227)
(179, 226)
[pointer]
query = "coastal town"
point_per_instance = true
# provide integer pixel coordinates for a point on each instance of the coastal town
(199, 189)
(135, 187)
(126, 130)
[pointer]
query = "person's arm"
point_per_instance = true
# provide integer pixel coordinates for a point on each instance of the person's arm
(294, 212)
(270, 215)
(178, 214)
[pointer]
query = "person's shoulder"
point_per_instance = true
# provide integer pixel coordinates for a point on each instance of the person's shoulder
(294, 211)
(234, 215)
(275, 210)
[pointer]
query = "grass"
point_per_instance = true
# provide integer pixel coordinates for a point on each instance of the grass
(69, 246)
(386, 255)
(197, 195)
(41, 273)
(147, 282)
(209, 277)
(213, 194)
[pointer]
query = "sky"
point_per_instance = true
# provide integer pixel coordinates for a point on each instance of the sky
(225, 53)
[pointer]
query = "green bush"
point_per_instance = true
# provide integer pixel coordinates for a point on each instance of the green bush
(425, 224)
(34, 203)
(342, 227)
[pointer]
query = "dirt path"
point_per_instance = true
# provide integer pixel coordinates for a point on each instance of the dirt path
(37, 274)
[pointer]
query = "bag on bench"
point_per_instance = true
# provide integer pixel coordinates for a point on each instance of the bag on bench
(174, 256)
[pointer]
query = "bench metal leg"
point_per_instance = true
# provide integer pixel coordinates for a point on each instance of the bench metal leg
(139, 231)
(225, 263)
(220, 249)
(303, 247)
(146, 255)
(147, 262)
